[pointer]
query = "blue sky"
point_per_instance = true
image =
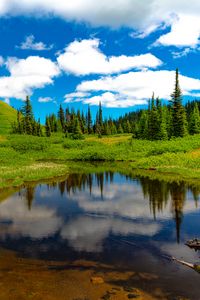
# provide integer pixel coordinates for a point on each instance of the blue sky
(81, 52)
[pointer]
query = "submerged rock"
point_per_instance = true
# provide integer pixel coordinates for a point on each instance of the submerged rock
(195, 244)
(97, 280)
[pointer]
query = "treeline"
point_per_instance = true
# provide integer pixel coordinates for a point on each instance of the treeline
(162, 122)
(158, 122)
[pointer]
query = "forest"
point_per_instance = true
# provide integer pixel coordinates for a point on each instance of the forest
(159, 121)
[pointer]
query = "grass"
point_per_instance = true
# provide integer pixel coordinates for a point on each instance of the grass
(28, 158)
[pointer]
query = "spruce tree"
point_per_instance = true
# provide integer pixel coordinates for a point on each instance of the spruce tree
(77, 133)
(120, 129)
(179, 120)
(89, 121)
(194, 120)
(143, 125)
(61, 117)
(47, 127)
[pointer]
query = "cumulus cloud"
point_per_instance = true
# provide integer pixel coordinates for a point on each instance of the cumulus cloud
(84, 57)
(30, 44)
(136, 87)
(109, 99)
(185, 31)
(76, 96)
(26, 75)
(45, 99)
(143, 16)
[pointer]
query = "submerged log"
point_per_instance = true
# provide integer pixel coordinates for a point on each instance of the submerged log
(194, 244)
(195, 267)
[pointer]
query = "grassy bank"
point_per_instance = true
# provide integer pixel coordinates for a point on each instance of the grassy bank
(31, 158)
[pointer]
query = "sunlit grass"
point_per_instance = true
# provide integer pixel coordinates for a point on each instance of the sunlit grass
(24, 158)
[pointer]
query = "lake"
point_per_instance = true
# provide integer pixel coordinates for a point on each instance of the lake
(55, 237)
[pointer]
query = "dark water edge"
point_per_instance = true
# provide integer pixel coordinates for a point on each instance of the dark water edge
(128, 223)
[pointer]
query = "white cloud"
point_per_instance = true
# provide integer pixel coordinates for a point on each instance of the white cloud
(26, 75)
(84, 57)
(143, 16)
(76, 97)
(45, 99)
(109, 99)
(185, 31)
(30, 44)
(135, 87)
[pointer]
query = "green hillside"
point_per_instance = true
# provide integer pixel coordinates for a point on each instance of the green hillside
(7, 116)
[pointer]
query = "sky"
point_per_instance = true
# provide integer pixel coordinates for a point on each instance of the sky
(78, 53)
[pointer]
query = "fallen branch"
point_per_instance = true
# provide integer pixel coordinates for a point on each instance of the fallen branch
(195, 267)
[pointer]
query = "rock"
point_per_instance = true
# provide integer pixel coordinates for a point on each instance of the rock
(132, 296)
(97, 280)
(129, 289)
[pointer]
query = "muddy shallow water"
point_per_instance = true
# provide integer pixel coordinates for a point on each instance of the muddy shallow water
(55, 238)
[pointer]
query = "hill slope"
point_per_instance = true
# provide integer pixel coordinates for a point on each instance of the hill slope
(7, 116)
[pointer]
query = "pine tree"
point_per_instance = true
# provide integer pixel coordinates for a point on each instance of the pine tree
(194, 120)
(143, 125)
(89, 121)
(47, 127)
(153, 121)
(28, 116)
(100, 116)
(120, 129)
(163, 134)
(77, 133)
(61, 117)
(179, 120)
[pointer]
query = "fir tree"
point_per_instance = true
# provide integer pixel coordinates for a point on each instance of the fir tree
(47, 127)
(120, 129)
(194, 121)
(179, 120)
(89, 121)
(77, 133)
(61, 117)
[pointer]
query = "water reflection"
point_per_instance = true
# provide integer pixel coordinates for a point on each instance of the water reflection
(108, 218)
(86, 208)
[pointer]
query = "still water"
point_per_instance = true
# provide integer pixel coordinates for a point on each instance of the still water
(128, 224)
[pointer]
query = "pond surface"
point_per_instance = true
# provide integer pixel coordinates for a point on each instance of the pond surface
(128, 224)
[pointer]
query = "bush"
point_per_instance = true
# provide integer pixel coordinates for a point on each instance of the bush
(29, 143)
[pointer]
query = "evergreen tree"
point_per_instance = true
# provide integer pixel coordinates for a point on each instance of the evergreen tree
(120, 129)
(89, 121)
(61, 117)
(153, 121)
(163, 134)
(194, 121)
(100, 116)
(28, 116)
(143, 125)
(77, 133)
(47, 127)
(179, 120)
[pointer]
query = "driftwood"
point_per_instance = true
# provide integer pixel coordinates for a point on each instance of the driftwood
(194, 244)
(195, 267)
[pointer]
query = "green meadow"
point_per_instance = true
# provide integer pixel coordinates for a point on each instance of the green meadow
(30, 158)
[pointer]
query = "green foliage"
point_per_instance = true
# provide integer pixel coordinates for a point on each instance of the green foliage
(7, 117)
(194, 121)
(27, 144)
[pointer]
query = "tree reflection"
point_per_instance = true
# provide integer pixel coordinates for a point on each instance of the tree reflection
(158, 193)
